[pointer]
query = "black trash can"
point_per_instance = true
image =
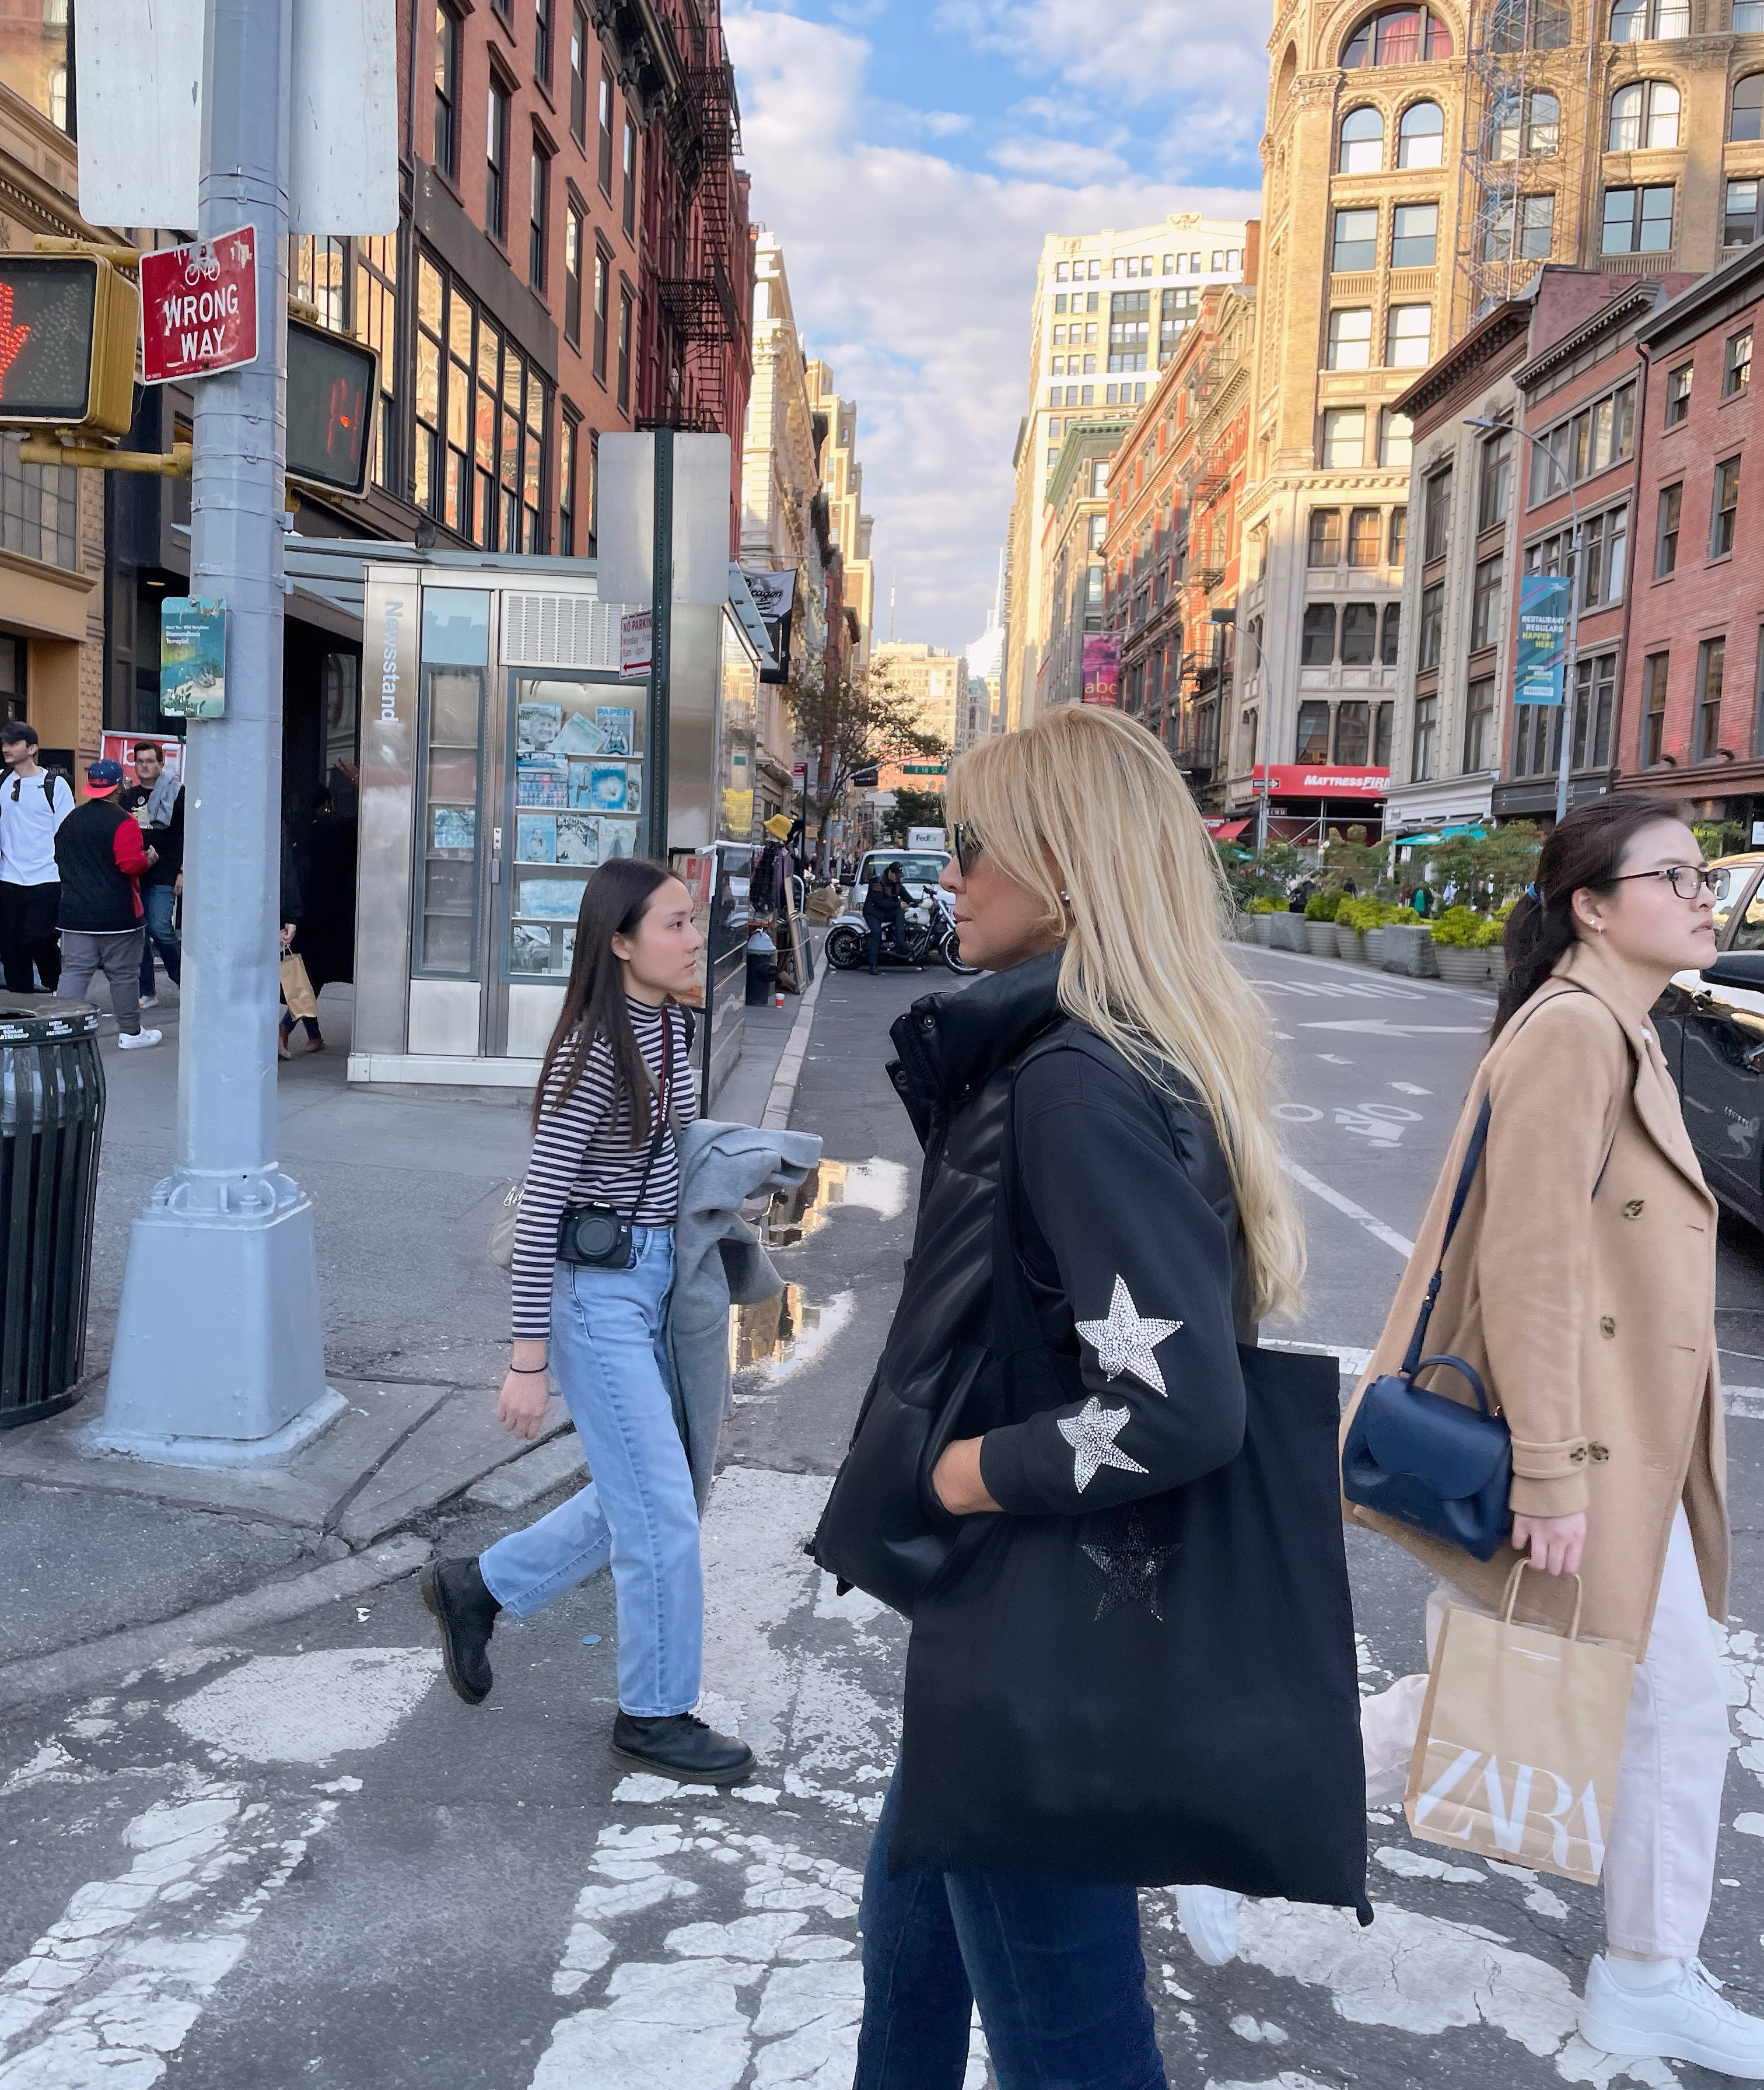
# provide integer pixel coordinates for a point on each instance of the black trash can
(51, 1118)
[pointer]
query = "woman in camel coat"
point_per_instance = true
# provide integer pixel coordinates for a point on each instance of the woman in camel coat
(1581, 1284)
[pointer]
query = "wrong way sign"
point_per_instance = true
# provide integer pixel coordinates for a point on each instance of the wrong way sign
(198, 308)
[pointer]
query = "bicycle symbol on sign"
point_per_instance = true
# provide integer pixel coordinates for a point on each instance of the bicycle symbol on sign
(204, 266)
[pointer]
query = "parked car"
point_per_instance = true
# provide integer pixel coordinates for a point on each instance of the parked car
(1710, 1025)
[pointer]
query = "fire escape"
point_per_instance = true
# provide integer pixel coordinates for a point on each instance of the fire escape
(701, 309)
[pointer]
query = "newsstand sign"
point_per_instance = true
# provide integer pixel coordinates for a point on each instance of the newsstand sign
(198, 308)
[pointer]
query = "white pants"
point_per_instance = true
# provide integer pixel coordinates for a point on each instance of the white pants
(1660, 1852)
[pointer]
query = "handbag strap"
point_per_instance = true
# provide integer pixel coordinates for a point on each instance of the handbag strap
(664, 1110)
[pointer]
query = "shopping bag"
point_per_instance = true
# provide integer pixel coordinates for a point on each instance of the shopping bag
(1520, 1733)
(296, 988)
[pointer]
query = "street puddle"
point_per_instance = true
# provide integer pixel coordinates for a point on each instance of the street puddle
(778, 1336)
(877, 1185)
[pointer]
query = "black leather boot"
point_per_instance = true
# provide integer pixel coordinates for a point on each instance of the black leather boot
(465, 1610)
(680, 1746)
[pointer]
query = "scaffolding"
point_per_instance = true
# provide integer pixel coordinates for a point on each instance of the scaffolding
(704, 130)
(1523, 105)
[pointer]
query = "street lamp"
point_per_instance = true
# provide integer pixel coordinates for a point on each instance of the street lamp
(1570, 692)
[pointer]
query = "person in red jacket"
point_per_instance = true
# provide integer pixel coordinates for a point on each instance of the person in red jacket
(101, 857)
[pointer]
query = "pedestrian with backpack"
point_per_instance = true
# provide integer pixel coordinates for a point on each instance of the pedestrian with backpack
(1567, 1260)
(32, 805)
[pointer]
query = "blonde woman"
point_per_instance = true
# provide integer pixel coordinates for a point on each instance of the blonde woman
(1111, 1519)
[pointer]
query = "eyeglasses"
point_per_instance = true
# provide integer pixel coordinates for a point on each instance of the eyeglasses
(968, 847)
(1687, 880)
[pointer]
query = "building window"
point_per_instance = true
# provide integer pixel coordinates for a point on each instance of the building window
(1388, 644)
(1407, 336)
(1325, 545)
(427, 490)
(1678, 394)
(604, 169)
(1350, 337)
(1654, 707)
(1363, 143)
(1430, 631)
(599, 314)
(1313, 733)
(1437, 512)
(1414, 235)
(538, 212)
(624, 390)
(1383, 719)
(496, 188)
(1400, 36)
(1736, 364)
(1586, 443)
(39, 508)
(568, 442)
(1746, 118)
(1399, 535)
(1711, 665)
(1638, 220)
(1644, 117)
(1426, 735)
(1606, 542)
(1523, 228)
(1725, 507)
(1649, 21)
(1485, 601)
(1366, 537)
(572, 277)
(374, 309)
(1665, 545)
(1344, 437)
(1395, 439)
(1758, 699)
(1528, 124)
(1495, 472)
(628, 200)
(446, 92)
(1740, 215)
(1479, 724)
(1748, 20)
(542, 42)
(578, 76)
(1317, 642)
(1359, 635)
(1354, 722)
(1355, 240)
(1421, 136)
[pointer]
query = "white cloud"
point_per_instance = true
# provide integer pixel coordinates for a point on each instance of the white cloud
(1059, 159)
(912, 276)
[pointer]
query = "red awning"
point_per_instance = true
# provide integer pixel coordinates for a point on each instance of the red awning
(1222, 830)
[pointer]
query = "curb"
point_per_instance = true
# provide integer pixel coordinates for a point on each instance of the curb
(783, 1095)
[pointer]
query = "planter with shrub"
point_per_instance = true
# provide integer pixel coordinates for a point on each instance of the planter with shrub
(1461, 946)
(1320, 911)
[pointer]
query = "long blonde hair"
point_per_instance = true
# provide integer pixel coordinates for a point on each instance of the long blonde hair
(1087, 811)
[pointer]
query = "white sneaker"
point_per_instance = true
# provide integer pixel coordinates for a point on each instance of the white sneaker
(1683, 2019)
(139, 1042)
(1209, 1919)
(149, 1001)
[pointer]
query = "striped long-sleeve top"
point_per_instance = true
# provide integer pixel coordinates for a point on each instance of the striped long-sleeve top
(582, 1153)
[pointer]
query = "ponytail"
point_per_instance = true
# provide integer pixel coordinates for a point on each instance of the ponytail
(1583, 851)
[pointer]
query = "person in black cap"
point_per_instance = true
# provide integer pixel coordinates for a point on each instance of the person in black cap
(102, 859)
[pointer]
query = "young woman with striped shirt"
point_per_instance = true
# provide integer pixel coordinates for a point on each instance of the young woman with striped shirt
(615, 1081)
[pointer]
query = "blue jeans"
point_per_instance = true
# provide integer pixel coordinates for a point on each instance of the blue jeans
(1054, 1964)
(610, 1352)
(159, 905)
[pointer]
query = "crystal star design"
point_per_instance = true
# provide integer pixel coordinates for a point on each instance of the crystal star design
(1130, 1568)
(1091, 1434)
(1124, 1343)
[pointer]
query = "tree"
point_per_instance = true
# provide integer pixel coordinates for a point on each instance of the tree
(853, 722)
(913, 809)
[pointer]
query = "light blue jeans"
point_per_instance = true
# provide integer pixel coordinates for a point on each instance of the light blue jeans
(609, 1354)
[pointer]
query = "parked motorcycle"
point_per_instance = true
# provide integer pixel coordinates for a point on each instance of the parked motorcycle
(926, 929)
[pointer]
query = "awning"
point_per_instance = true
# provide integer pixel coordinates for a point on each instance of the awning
(1222, 830)
(1439, 835)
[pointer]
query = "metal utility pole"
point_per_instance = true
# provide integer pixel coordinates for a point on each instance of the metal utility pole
(219, 1355)
(660, 654)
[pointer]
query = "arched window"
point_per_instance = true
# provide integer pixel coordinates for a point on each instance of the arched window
(1400, 36)
(1649, 21)
(1421, 136)
(1363, 143)
(1747, 118)
(1644, 117)
(1544, 26)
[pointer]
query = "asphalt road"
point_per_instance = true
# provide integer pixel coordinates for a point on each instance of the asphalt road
(299, 1858)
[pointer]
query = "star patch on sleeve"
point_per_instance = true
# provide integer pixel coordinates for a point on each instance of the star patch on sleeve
(1091, 1434)
(1124, 1342)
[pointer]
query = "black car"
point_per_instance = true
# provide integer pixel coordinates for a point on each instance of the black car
(1711, 1028)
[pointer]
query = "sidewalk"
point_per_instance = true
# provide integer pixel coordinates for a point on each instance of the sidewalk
(416, 1340)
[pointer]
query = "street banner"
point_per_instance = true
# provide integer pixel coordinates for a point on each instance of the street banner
(198, 308)
(774, 596)
(119, 747)
(1102, 670)
(193, 658)
(1296, 780)
(1543, 648)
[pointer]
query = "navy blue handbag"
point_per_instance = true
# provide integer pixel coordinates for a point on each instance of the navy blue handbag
(1421, 1459)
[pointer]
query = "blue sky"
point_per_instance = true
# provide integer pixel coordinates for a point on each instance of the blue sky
(911, 155)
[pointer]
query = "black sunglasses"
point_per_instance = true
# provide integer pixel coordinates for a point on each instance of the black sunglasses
(968, 847)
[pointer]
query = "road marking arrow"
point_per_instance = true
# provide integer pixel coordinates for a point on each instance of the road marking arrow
(1380, 1027)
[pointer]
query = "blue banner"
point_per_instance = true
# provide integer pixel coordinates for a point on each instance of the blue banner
(1543, 648)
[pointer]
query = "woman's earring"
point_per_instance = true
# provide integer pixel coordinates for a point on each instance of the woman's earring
(1067, 898)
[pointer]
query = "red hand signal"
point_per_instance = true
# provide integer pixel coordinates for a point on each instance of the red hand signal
(14, 334)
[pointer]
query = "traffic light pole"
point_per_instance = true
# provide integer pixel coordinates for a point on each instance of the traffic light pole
(219, 1353)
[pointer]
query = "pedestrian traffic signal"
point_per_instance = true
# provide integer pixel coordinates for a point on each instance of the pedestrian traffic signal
(68, 323)
(333, 383)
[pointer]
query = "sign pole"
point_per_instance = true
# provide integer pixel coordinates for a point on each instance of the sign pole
(219, 1355)
(660, 650)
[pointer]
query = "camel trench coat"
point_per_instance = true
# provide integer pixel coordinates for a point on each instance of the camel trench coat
(1582, 1288)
